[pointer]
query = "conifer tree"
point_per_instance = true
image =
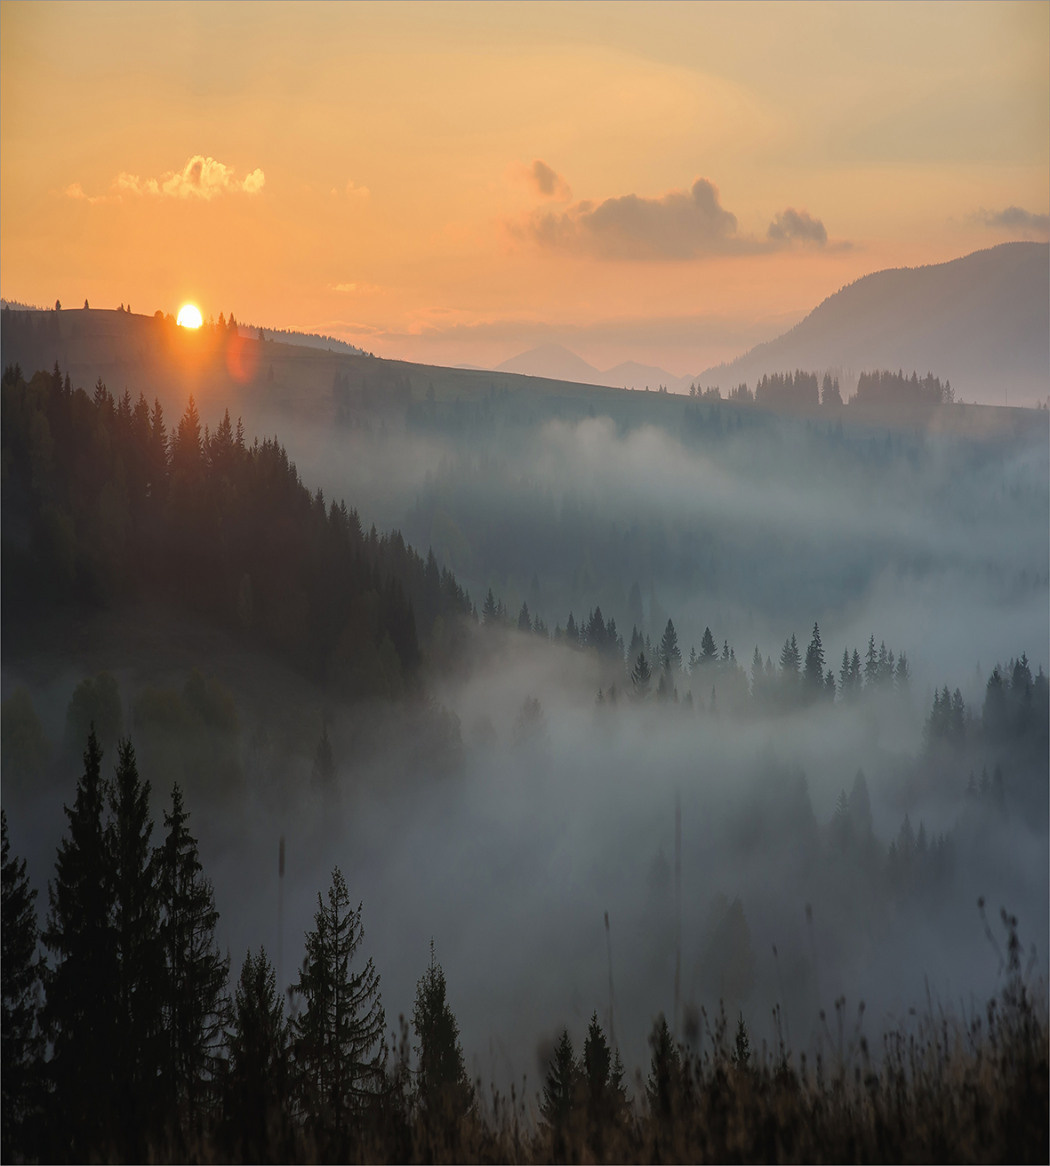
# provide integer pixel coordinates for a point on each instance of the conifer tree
(664, 1086)
(139, 956)
(814, 670)
(442, 1087)
(195, 1007)
(80, 1007)
(604, 1092)
(560, 1095)
(21, 1061)
(256, 1115)
(790, 661)
(708, 648)
(187, 447)
(670, 654)
(845, 676)
(338, 1037)
(641, 676)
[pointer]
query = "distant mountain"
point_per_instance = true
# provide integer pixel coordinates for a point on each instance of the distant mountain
(558, 363)
(982, 322)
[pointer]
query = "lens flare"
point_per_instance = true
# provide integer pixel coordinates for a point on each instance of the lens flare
(189, 316)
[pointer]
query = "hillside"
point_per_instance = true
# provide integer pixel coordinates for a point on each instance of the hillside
(982, 321)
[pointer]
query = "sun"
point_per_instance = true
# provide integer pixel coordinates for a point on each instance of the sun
(189, 316)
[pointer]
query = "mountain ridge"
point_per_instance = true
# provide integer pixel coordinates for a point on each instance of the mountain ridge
(981, 321)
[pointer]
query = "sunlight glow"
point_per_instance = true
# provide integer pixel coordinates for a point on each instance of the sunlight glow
(189, 316)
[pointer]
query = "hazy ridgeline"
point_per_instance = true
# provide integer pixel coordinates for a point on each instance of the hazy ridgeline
(468, 782)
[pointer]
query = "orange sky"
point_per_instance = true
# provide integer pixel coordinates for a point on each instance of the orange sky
(457, 183)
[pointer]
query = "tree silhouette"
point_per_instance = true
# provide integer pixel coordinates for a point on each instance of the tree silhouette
(80, 1008)
(641, 676)
(708, 648)
(443, 1089)
(561, 1088)
(604, 1093)
(664, 1088)
(21, 1062)
(195, 1006)
(337, 1041)
(256, 1112)
(813, 676)
(139, 956)
(670, 654)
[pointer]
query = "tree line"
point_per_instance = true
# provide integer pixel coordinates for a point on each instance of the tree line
(127, 1041)
(103, 505)
(800, 389)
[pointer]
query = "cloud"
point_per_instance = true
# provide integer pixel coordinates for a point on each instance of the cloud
(205, 178)
(201, 177)
(1014, 218)
(354, 191)
(678, 225)
(75, 191)
(792, 225)
(547, 181)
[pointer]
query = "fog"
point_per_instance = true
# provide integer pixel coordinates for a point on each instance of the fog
(933, 540)
(511, 851)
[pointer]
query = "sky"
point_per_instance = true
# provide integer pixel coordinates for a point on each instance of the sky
(457, 183)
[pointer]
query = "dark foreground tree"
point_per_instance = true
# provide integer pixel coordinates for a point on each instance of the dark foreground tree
(338, 1037)
(443, 1090)
(80, 1010)
(195, 974)
(604, 1093)
(139, 979)
(20, 972)
(256, 1096)
(665, 1087)
(561, 1094)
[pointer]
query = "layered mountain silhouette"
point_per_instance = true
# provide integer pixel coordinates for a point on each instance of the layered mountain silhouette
(557, 363)
(982, 322)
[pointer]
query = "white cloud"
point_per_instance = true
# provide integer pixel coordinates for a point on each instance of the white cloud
(201, 177)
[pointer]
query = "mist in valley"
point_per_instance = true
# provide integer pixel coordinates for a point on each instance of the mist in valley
(507, 809)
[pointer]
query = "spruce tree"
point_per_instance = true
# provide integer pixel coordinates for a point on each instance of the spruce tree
(871, 664)
(814, 671)
(80, 1008)
(443, 1089)
(338, 1037)
(21, 1061)
(139, 956)
(604, 1092)
(641, 676)
(561, 1090)
(256, 1113)
(670, 654)
(665, 1085)
(195, 1006)
(708, 648)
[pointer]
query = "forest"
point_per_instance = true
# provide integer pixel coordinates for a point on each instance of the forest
(709, 756)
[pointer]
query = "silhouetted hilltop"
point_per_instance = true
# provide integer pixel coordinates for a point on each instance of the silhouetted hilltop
(982, 321)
